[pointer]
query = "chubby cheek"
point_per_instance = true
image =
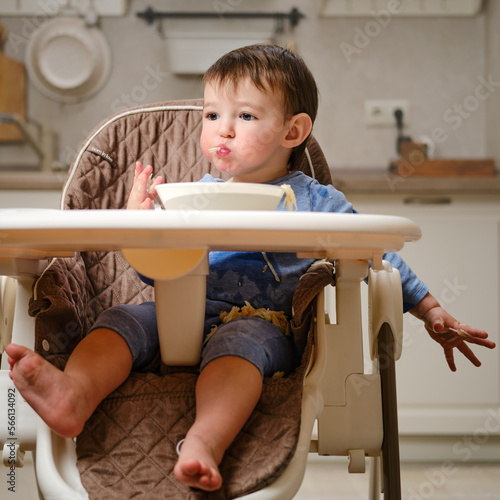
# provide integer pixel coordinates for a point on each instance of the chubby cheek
(261, 143)
(249, 151)
(205, 144)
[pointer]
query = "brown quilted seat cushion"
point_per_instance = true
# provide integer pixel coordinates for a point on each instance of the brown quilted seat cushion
(127, 448)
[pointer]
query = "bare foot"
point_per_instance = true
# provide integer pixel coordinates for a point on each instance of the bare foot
(197, 466)
(54, 395)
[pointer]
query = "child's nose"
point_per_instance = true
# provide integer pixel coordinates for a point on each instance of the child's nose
(226, 129)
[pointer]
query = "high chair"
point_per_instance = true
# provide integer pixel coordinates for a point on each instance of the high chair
(128, 447)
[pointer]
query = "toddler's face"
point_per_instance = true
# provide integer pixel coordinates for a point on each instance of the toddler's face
(243, 131)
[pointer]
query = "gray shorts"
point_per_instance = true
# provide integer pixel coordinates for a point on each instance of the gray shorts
(250, 338)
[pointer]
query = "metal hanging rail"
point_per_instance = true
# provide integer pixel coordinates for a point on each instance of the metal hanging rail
(294, 16)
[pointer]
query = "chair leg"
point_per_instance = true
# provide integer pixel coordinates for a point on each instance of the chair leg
(390, 445)
(374, 478)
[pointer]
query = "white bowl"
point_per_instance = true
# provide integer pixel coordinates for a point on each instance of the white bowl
(219, 196)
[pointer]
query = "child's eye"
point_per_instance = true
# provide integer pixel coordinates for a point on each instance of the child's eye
(247, 117)
(211, 116)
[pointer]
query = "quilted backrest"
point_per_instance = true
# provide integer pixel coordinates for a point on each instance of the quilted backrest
(165, 136)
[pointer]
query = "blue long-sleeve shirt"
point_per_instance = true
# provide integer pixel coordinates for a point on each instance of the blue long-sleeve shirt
(269, 280)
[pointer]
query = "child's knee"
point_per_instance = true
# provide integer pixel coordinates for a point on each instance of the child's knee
(255, 340)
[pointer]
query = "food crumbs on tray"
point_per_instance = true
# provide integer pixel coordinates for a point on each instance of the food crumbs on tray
(264, 269)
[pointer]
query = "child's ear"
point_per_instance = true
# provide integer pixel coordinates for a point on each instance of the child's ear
(299, 128)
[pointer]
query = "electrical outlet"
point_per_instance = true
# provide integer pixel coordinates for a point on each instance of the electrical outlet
(380, 112)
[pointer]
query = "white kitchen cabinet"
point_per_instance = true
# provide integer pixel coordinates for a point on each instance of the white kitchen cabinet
(459, 258)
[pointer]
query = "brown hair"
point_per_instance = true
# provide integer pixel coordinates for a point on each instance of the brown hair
(273, 68)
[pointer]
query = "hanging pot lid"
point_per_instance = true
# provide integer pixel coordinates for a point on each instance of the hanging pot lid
(67, 60)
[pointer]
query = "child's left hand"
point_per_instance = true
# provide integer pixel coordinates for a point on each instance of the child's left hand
(142, 196)
(450, 333)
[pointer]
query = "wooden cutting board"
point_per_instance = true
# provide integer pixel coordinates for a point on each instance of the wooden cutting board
(12, 92)
(414, 162)
(447, 167)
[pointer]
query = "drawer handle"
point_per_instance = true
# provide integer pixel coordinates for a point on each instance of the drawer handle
(423, 200)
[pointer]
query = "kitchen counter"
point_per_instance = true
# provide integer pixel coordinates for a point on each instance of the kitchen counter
(381, 181)
(350, 180)
(33, 180)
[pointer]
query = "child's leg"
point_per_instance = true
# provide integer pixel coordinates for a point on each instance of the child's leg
(234, 362)
(66, 399)
(227, 391)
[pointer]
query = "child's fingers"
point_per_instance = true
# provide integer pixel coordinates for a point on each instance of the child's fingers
(467, 352)
(473, 335)
(147, 204)
(141, 180)
(143, 191)
(157, 181)
(138, 169)
(140, 186)
(478, 337)
(450, 359)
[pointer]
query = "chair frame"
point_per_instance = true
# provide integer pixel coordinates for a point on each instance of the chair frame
(369, 401)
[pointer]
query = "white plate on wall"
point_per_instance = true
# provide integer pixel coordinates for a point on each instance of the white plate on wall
(67, 60)
(219, 196)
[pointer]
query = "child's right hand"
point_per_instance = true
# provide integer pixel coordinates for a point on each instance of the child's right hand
(141, 197)
(448, 332)
(451, 334)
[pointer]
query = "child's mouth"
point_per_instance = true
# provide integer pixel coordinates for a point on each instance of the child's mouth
(220, 151)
